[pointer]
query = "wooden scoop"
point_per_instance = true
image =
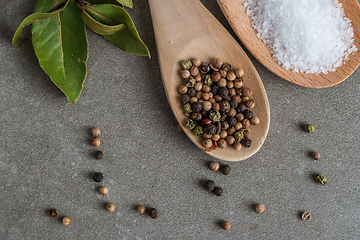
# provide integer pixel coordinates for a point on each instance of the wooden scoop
(235, 12)
(185, 30)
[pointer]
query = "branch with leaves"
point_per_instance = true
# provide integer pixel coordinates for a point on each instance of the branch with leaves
(60, 41)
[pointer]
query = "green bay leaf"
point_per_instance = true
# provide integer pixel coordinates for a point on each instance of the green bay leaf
(61, 46)
(127, 3)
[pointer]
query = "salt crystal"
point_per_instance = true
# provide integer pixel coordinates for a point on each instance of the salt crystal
(311, 36)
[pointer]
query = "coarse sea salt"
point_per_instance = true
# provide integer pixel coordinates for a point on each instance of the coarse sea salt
(311, 36)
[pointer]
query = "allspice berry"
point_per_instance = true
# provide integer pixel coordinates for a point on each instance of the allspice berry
(110, 207)
(226, 169)
(225, 225)
(66, 221)
(53, 213)
(103, 190)
(260, 208)
(154, 213)
(316, 155)
(218, 191)
(95, 132)
(214, 166)
(141, 209)
(95, 142)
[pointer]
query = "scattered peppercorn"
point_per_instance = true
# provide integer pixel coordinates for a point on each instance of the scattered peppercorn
(95, 142)
(98, 177)
(218, 191)
(306, 216)
(309, 128)
(141, 209)
(210, 185)
(103, 190)
(154, 213)
(66, 221)
(246, 142)
(99, 155)
(260, 208)
(225, 225)
(321, 179)
(53, 213)
(110, 207)
(214, 166)
(316, 155)
(226, 169)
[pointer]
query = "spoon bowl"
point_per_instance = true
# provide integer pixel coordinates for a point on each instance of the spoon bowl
(185, 30)
(235, 13)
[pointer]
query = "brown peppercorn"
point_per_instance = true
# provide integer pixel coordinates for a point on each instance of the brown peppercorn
(226, 66)
(196, 116)
(246, 142)
(238, 83)
(306, 216)
(222, 143)
(95, 132)
(224, 125)
(247, 92)
(232, 112)
(207, 105)
(218, 63)
(185, 73)
(141, 209)
(223, 73)
(239, 73)
(193, 100)
(53, 213)
(66, 221)
(95, 142)
(218, 98)
(230, 140)
(207, 136)
(218, 191)
(255, 121)
(231, 131)
(198, 78)
(103, 190)
(207, 143)
(214, 166)
(196, 62)
(230, 85)
(223, 133)
(183, 89)
(205, 96)
(216, 106)
(246, 123)
(232, 92)
(222, 82)
(198, 86)
(226, 169)
(250, 103)
(215, 137)
(260, 208)
(215, 76)
(237, 99)
(246, 134)
(99, 155)
(110, 207)
(194, 71)
(153, 212)
(316, 155)
(231, 76)
(238, 126)
(206, 88)
(237, 146)
(244, 99)
(225, 225)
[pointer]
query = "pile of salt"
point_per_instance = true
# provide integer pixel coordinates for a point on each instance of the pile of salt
(311, 36)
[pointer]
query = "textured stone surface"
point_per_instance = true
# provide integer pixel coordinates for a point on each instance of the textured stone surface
(46, 160)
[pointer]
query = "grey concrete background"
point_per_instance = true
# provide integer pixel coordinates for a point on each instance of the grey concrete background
(46, 160)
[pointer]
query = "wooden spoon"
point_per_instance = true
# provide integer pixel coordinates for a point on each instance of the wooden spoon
(235, 12)
(185, 30)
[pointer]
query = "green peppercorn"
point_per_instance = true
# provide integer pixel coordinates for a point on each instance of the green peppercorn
(153, 212)
(186, 64)
(99, 155)
(218, 191)
(208, 80)
(239, 135)
(187, 108)
(321, 179)
(209, 185)
(226, 169)
(198, 131)
(309, 128)
(190, 123)
(215, 115)
(190, 82)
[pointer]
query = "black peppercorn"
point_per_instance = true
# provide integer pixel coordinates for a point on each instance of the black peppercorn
(209, 185)
(241, 108)
(218, 191)
(223, 117)
(234, 104)
(215, 89)
(210, 129)
(153, 212)
(226, 169)
(204, 68)
(192, 92)
(53, 213)
(232, 121)
(196, 107)
(226, 66)
(99, 155)
(248, 114)
(98, 177)
(224, 106)
(223, 92)
(185, 99)
(246, 142)
(205, 114)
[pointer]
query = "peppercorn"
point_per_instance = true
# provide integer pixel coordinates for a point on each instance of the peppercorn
(198, 86)
(193, 100)
(98, 177)
(196, 62)
(230, 140)
(204, 68)
(196, 107)
(309, 128)
(225, 106)
(248, 114)
(226, 66)
(239, 135)
(190, 82)
(215, 89)
(255, 121)
(194, 71)
(186, 64)
(306, 216)
(210, 129)
(223, 134)
(250, 103)
(238, 126)
(246, 142)
(215, 137)
(245, 99)
(241, 108)
(223, 92)
(226, 169)
(187, 108)
(247, 92)
(218, 191)
(232, 121)
(225, 225)
(110, 207)
(154, 213)
(141, 209)
(198, 131)
(316, 155)
(239, 73)
(247, 134)
(191, 92)
(205, 96)
(215, 115)
(231, 76)
(190, 123)
(260, 208)
(237, 146)
(198, 78)
(53, 213)
(230, 86)
(96, 132)
(225, 125)
(185, 73)
(231, 131)
(321, 179)
(222, 143)
(218, 62)
(207, 143)
(205, 121)
(66, 221)
(95, 142)
(239, 117)
(209, 185)
(206, 136)
(215, 76)
(207, 80)
(103, 190)
(196, 116)
(232, 112)
(214, 166)
(185, 99)
(246, 123)
(99, 155)
(238, 83)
